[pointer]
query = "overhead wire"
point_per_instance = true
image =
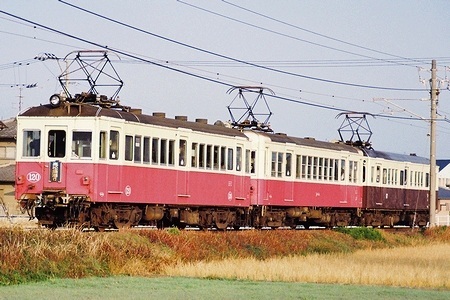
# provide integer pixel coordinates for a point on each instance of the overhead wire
(327, 37)
(238, 60)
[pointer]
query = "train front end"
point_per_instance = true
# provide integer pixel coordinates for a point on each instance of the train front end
(54, 165)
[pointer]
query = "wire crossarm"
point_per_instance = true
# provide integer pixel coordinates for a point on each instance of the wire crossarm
(247, 116)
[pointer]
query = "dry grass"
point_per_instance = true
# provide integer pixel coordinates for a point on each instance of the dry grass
(416, 267)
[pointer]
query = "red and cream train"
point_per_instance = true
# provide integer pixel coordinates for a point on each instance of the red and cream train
(103, 167)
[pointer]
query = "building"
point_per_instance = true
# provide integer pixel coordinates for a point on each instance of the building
(8, 136)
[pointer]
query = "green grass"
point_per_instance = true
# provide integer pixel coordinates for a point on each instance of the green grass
(190, 288)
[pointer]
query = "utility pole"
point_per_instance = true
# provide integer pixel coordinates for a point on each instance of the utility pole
(434, 94)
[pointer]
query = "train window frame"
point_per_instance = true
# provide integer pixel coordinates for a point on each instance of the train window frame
(81, 144)
(129, 147)
(31, 143)
(114, 144)
(56, 143)
(247, 161)
(288, 165)
(103, 137)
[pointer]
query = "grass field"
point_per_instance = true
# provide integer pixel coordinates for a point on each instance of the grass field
(190, 288)
(259, 264)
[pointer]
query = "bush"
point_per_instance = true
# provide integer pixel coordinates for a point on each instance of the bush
(362, 233)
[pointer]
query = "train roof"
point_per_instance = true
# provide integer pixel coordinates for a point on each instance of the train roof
(310, 142)
(396, 156)
(87, 110)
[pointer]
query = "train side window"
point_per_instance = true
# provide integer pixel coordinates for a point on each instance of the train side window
(128, 148)
(378, 173)
(137, 148)
(223, 159)
(427, 179)
(320, 168)
(288, 164)
(31, 143)
(102, 145)
(57, 143)
(274, 164)
(209, 155)
(216, 158)
(247, 161)
(342, 169)
(155, 142)
(194, 155)
(81, 144)
(238, 158)
(331, 170)
(384, 176)
(298, 163)
(171, 152)
(280, 164)
(163, 152)
(201, 156)
(230, 159)
(304, 166)
(146, 156)
(182, 154)
(114, 144)
(253, 162)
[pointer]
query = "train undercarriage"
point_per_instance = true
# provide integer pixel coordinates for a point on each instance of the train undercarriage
(54, 211)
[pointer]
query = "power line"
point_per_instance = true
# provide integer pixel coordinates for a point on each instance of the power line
(241, 61)
(327, 37)
(192, 74)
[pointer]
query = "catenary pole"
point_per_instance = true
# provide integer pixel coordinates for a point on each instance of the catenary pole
(434, 94)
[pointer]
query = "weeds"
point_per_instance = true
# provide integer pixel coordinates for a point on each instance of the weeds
(35, 255)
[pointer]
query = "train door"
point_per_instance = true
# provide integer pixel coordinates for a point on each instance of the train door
(113, 174)
(289, 183)
(182, 170)
(55, 169)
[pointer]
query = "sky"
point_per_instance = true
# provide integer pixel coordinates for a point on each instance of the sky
(320, 59)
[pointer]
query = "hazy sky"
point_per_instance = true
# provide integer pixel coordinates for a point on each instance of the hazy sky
(319, 57)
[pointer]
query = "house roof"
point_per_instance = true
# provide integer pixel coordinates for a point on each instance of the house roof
(7, 172)
(8, 128)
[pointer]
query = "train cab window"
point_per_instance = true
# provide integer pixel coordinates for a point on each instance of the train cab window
(114, 144)
(128, 148)
(182, 154)
(137, 148)
(57, 143)
(288, 164)
(31, 143)
(238, 158)
(230, 159)
(102, 145)
(81, 144)
(155, 143)
(146, 156)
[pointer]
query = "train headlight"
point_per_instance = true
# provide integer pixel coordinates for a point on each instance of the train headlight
(55, 100)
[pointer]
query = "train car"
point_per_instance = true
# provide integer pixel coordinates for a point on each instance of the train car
(101, 166)
(85, 164)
